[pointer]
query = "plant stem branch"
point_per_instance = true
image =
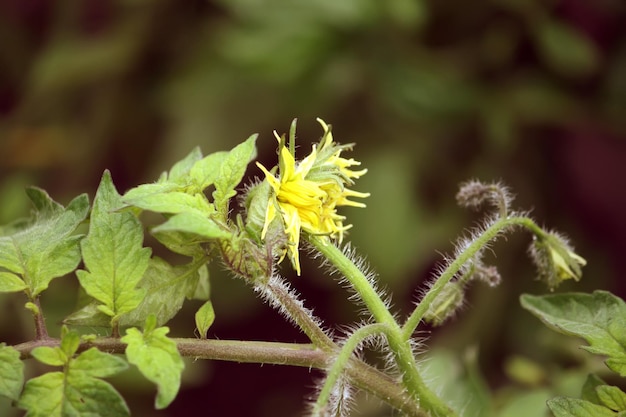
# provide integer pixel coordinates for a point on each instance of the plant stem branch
(304, 355)
(41, 331)
(477, 244)
(400, 346)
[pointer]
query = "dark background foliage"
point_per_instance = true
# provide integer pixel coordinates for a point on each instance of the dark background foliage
(529, 92)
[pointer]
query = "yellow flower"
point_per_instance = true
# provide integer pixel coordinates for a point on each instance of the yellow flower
(306, 194)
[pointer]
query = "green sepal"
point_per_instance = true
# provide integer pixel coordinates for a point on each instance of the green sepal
(157, 358)
(11, 372)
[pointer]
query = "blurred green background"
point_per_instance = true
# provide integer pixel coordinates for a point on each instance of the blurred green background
(529, 92)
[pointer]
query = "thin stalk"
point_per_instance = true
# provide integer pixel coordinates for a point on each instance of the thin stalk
(341, 361)
(453, 268)
(401, 347)
(285, 300)
(41, 331)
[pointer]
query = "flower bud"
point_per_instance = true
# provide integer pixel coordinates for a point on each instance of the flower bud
(556, 259)
(445, 305)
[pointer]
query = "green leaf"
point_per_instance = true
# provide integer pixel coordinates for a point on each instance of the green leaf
(44, 248)
(70, 341)
(170, 202)
(573, 407)
(50, 356)
(204, 318)
(76, 391)
(157, 358)
(612, 397)
(54, 395)
(97, 364)
(193, 222)
(11, 372)
(166, 288)
(10, 255)
(187, 244)
(10, 282)
(202, 290)
(181, 169)
(206, 171)
(231, 173)
(113, 254)
(88, 315)
(599, 318)
(589, 392)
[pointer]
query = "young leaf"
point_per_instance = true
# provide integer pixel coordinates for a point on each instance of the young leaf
(231, 173)
(96, 364)
(187, 244)
(599, 318)
(54, 395)
(157, 358)
(204, 318)
(206, 171)
(76, 391)
(181, 169)
(589, 392)
(10, 282)
(11, 372)
(44, 249)
(166, 288)
(573, 407)
(113, 254)
(50, 356)
(193, 222)
(169, 202)
(612, 397)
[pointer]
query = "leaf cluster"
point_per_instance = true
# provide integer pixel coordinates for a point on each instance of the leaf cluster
(599, 318)
(122, 286)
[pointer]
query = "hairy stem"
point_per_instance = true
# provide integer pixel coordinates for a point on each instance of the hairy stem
(477, 244)
(400, 346)
(281, 297)
(338, 368)
(304, 355)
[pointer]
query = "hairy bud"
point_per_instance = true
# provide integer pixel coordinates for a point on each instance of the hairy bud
(445, 305)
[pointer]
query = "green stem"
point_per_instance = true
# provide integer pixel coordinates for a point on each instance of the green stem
(453, 268)
(335, 372)
(400, 346)
(284, 299)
